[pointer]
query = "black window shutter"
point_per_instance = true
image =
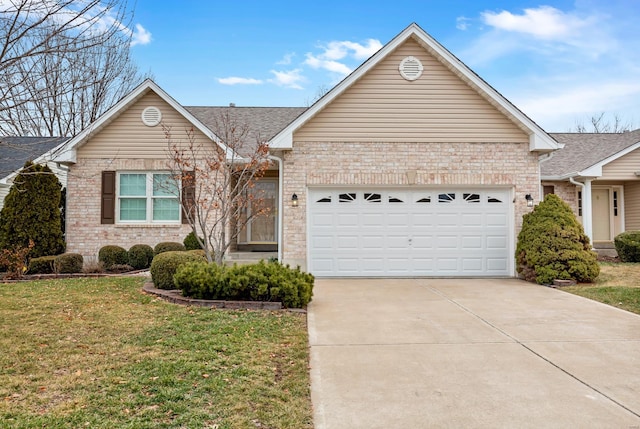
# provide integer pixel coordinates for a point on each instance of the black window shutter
(188, 194)
(108, 205)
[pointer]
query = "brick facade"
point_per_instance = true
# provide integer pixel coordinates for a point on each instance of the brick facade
(85, 234)
(567, 192)
(393, 164)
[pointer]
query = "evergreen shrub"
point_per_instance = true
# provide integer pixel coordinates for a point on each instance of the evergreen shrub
(68, 263)
(264, 281)
(164, 266)
(140, 256)
(552, 245)
(111, 255)
(191, 242)
(628, 246)
(168, 246)
(42, 265)
(31, 212)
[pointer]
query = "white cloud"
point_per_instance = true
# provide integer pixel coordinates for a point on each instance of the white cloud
(330, 65)
(233, 80)
(334, 51)
(462, 23)
(288, 79)
(286, 60)
(545, 22)
(140, 36)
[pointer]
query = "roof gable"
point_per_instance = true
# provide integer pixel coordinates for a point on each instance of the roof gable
(538, 139)
(67, 153)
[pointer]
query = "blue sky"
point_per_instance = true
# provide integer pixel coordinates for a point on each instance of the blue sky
(560, 62)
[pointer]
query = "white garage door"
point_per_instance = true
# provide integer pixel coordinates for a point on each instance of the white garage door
(401, 232)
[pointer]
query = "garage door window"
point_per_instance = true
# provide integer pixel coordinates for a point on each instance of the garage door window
(471, 198)
(446, 198)
(373, 198)
(346, 198)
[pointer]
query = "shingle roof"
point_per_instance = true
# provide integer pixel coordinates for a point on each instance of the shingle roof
(583, 150)
(263, 122)
(15, 151)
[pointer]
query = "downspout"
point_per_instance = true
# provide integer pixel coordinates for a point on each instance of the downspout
(587, 222)
(280, 203)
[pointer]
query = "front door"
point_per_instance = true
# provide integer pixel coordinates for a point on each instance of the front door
(601, 215)
(263, 228)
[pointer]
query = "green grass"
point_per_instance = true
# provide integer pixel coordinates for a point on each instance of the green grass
(98, 353)
(618, 285)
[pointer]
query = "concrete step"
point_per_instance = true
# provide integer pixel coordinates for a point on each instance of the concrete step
(244, 258)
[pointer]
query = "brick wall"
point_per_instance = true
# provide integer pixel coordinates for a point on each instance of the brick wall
(362, 164)
(567, 191)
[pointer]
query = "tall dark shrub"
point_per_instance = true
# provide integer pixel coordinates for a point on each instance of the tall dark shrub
(552, 245)
(32, 212)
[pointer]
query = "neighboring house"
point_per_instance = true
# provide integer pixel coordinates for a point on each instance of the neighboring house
(599, 176)
(411, 166)
(16, 151)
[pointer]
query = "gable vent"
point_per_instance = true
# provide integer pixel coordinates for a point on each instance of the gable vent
(410, 68)
(151, 116)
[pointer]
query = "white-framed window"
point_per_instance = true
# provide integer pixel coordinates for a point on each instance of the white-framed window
(147, 197)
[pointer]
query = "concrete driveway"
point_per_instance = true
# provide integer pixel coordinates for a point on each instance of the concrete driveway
(438, 353)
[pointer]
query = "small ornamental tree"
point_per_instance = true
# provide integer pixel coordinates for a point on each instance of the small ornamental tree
(31, 212)
(552, 245)
(218, 182)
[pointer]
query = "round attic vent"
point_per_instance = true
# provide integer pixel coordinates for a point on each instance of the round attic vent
(151, 116)
(411, 68)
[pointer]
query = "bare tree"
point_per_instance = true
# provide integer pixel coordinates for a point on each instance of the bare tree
(600, 123)
(62, 64)
(218, 196)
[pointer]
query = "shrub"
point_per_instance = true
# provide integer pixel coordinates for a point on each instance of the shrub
(42, 265)
(191, 242)
(140, 256)
(112, 255)
(91, 267)
(68, 263)
(31, 212)
(552, 245)
(264, 281)
(14, 260)
(168, 246)
(164, 266)
(628, 246)
(120, 268)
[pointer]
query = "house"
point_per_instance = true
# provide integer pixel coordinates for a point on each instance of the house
(16, 151)
(411, 166)
(598, 175)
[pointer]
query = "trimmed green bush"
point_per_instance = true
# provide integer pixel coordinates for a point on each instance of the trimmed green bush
(68, 263)
(42, 265)
(264, 281)
(140, 256)
(164, 266)
(31, 212)
(168, 246)
(628, 246)
(552, 245)
(112, 255)
(191, 242)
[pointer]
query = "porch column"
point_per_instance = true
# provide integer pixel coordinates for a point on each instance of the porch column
(587, 210)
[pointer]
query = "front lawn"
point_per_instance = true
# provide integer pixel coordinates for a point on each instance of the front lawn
(617, 285)
(98, 353)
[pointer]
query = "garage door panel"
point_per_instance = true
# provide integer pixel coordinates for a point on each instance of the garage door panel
(472, 264)
(372, 243)
(348, 242)
(381, 232)
(497, 242)
(472, 242)
(322, 219)
(497, 264)
(323, 242)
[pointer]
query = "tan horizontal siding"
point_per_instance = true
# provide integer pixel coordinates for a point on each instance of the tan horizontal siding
(623, 168)
(437, 107)
(127, 137)
(632, 206)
